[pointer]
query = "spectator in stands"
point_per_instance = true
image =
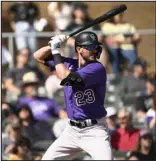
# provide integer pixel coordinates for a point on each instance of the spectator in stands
(14, 76)
(24, 15)
(49, 84)
(8, 115)
(13, 133)
(6, 59)
(111, 119)
(134, 83)
(60, 13)
(20, 150)
(126, 137)
(110, 30)
(33, 129)
(42, 108)
(133, 156)
(8, 110)
(81, 18)
(121, 37)
(151, 113)
(144, 102)
(128, 41)
(146, 149)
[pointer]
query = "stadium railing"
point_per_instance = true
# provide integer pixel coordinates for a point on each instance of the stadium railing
(11, 35)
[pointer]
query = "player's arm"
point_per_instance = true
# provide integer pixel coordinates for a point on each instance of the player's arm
(67, 77)
(87, 76)
(42, 54)
(55, 45)
(45, 56)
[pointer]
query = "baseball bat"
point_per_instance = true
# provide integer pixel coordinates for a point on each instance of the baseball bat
(102, 18)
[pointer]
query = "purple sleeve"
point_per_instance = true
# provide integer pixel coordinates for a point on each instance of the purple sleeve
(92, 74)
(67, 62)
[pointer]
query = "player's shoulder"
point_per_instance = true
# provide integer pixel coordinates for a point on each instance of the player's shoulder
(97, 66)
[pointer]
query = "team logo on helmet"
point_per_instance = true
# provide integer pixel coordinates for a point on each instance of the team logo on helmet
(93, 36)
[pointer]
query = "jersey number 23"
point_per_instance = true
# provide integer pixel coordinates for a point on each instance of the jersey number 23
(85, 97)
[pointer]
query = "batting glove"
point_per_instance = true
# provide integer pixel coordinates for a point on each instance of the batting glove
(56, 43)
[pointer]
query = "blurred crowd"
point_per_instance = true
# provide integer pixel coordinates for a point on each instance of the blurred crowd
(33, 110)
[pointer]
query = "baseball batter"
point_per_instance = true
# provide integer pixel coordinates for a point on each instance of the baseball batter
(84, 81)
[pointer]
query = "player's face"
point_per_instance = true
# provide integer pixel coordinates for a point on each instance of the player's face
(89, 53)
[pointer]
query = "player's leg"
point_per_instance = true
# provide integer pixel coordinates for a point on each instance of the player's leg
(95, 141)
(64, 148)
(98, 148)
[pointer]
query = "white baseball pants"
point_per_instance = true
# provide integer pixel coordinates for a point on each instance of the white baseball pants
(94, 140)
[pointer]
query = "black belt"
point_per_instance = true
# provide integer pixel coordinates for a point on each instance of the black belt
(83, 124)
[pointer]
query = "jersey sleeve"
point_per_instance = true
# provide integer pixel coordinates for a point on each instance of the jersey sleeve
(92, 74)
(68, 62)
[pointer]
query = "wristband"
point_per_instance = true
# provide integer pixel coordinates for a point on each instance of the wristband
(57, 59)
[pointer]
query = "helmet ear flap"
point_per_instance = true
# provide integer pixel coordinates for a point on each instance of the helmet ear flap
(99, 49)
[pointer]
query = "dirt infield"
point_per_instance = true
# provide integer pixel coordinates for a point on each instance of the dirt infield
(141, 14)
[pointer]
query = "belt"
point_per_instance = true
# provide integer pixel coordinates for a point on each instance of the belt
(83, 124)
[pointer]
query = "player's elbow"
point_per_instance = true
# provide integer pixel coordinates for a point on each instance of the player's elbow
(62, 71)
(36, 57)
(62, 75)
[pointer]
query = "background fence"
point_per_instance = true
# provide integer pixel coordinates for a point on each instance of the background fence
(10, 36)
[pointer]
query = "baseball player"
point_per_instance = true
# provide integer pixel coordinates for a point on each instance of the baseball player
(84, 81)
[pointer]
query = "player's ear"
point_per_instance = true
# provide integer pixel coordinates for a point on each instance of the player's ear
(78, 49)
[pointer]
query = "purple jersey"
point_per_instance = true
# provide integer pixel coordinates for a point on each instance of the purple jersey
(86, 103)
(42, 108)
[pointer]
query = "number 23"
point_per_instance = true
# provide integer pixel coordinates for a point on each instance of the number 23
(80, 97)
